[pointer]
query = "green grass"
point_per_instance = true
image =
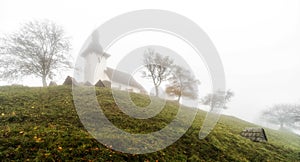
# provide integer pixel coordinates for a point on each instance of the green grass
(42, 124)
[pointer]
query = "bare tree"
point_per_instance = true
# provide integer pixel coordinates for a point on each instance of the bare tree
(285, 115)
(158, 67)
(217, 99)
(38, 48)
(182, 83)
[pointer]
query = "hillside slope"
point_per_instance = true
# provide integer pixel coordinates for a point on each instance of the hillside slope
(42, 123)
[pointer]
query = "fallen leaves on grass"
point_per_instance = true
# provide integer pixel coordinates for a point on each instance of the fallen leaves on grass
(38, 139)
(59, 148)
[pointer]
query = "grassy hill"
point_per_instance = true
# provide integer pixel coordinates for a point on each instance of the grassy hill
(42, 124)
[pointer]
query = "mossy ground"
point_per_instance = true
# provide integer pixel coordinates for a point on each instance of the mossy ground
(42, 124)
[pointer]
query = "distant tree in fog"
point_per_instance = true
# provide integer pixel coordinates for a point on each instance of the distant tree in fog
(284, 115)
(158, 67)
(182, 83)
(218, 99)
(38, 48)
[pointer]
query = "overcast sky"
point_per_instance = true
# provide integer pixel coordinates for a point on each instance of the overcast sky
(258, 41)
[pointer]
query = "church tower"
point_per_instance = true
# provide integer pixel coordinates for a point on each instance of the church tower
(95, 60)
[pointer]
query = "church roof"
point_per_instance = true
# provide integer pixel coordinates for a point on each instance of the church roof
(123, 78)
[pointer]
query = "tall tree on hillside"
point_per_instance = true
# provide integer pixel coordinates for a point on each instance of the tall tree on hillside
(217, 99)
(285, 115)
(158, 67)
(38, 48)
(182, 83)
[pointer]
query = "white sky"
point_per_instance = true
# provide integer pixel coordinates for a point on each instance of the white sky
(258, 41)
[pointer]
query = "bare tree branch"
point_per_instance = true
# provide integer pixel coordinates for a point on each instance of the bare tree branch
(157, 67)
(182, 83)
(37, 48)
(217, 99)
(285, 115)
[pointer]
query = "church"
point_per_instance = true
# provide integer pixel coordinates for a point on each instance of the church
(95, 68)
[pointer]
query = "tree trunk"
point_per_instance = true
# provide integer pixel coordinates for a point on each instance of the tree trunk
(178, 99)
(211, 107)
(281, 126)
(44, 81)
(156, 91)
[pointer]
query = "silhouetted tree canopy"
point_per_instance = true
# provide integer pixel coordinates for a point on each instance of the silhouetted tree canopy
(285, 115)
(38, 48)
(218, 99)
(182, 83)
(158, 67)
